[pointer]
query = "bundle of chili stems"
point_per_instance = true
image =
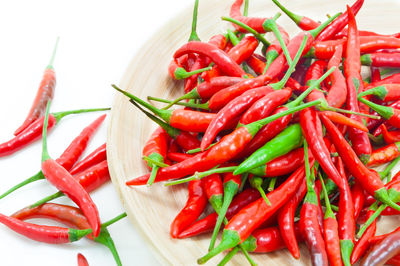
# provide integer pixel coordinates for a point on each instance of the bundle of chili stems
(279, 135)
(73, 177)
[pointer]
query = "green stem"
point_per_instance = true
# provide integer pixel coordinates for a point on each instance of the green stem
(59, 115)
(256, 182)
(233, 38)
(36, 177)
(181, 73)
(105, 239)
(192, 151)
(384, 111)
(386, 172)
(318, 30)
(153, 175)
(246, 8)
(230, 190)
(296, 18)
(270, 57)
(157, 163)
(193, 33)
(272, 183)
(164, 114)
(45, 152)
(379, 92)
(203, 106)
(200, 175)
(328, 211)
(113, 220)
(372, 218)
(193, 94)
(53, 55)
(259, 36)
(47, 199)
(228, 256)
(339, 110)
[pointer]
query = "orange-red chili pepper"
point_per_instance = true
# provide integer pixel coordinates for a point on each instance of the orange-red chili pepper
(195, 204)
(384, 154)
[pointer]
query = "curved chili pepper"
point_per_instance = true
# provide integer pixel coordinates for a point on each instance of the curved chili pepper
(346, 221)
(352, 69)
(177, 72)
(304, 23)
(383, 251)
(207, 224)
(357, 194)
(392, 115)
(219, 57)
(395, 78)
(265, 106)
(214, 190)
(95, 157)
(178, 157)
(331, 234)
(43, 95)
(82, 260)
(370, 181)
(62, 180)
(69, 157)
(232, 184)
(253, 22)
(387, 92)
(289, 139)
(339, 23)
(390, 136)
(253, 215)
(90, 179)
(286, 218)
(344, 120)
(195, 204)
(363, 243)
(384, 154)
(34, 131)
(314, 72)
(310, 125)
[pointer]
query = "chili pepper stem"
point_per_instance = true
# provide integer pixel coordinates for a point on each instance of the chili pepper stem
(203, 106)
(370, 220)
(256, 182)
(59, 115)
(193, 94)
(181, 73)
(246, 8)
(193, 33)
(230, 189)
(47, 199)
(346, 248)
(270, 57)
(379, 92)
(198, 175)
(385, 173)
(272, 183)
(114, 220)
(339, 110)
(384, 111)
(36, 177)
(318, 30)
(229, 240)
(53, 55)
(192, 151)
(157, 163)
(45, 153)
(382, 195)
(228, 256)
(105, 239)
(296, 18)
(270, 24)
(152, 175)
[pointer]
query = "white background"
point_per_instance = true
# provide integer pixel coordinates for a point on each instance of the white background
(97, 41)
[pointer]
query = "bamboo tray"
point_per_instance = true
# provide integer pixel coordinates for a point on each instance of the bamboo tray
(152, 209)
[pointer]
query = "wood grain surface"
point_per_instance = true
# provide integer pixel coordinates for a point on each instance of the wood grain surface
(151, 210)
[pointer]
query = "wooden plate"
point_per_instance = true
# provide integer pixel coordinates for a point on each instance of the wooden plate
(153, 209)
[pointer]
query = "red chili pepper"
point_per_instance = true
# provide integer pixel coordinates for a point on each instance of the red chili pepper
(275, 49)
(331, 234)
(344, 120)
(392, 115)
(253, 215)
(82, 260)
(381, 59)
(339, 23)
(178, 157)
(34, 131)
(370, 181)
(62, 180)
(286, 219)
(255, 23)
(387, 92)
(177, 72)
(214, 190)
(384, 154)
(312, 131)
(97, 156)
(390, 136)
(265, 106)
(357, 194)
(363, 243)
(337, 93)
(197, 201)
(43, 233)
(218, 56)
(352, 68)
(304, 23)
(207, 223)
(43, 95)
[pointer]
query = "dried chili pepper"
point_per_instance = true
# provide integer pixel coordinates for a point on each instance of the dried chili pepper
(95, 157)
(207, 224)
(62, 180)
(43, 95)
(196, 202)
(34, 131)
(69, 157)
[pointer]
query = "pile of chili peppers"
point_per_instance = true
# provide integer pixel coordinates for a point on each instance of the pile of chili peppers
(72, 176)
(281, 140)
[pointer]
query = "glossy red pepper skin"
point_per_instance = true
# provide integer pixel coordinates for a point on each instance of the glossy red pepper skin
(158, 143)
(383, 251)
(381, 59)
(94, 177)
(207, 89)
(214, 190)
(265, 106)
(178, 157)
(337, 93)
(42, 233)
(191, 121)
(227, 148)
(384, 154)
(197, 201)
(332, 241)
(339, 23)
(95, 157)
(63, 181)
(362, 244)
(32, 133)
(233, 109)
(286, 219)
(390, 137)
(218, 56)
(312, 131)
(43, 95)
(207, 223)
(253, 22)
(82, 260)
(357, 194)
